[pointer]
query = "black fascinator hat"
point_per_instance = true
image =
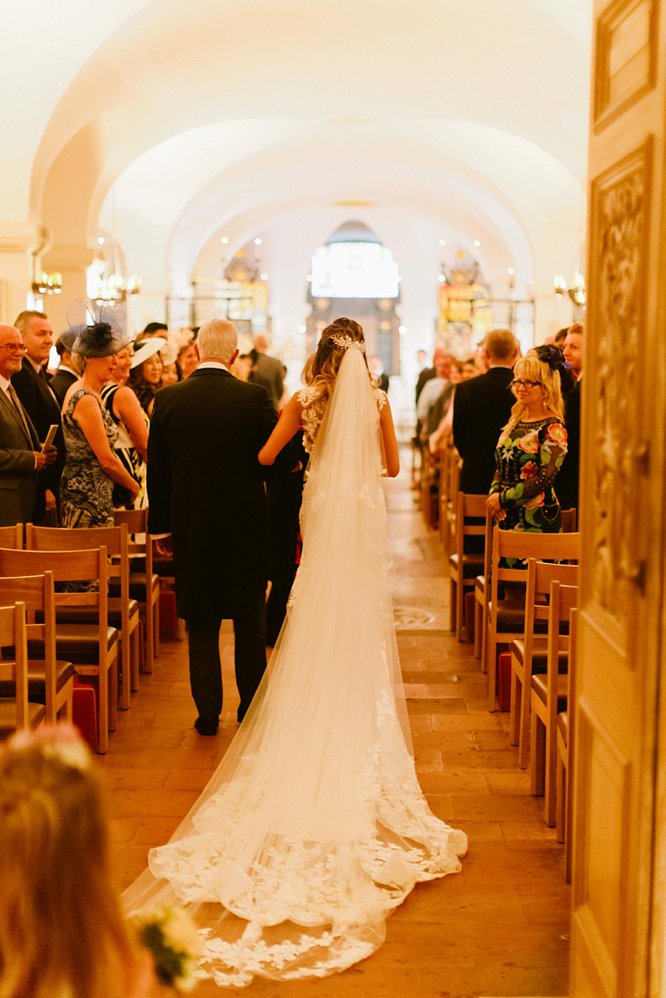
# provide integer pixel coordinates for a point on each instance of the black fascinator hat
(553, 356)
(102, 335)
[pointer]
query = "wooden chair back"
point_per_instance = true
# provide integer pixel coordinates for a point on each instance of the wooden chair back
(11, 537)
(15, 712)
(141, 547)
(520, 545)
(470, 521)
(115, 540)
(540, 576)
(76, 566)
(544, 709)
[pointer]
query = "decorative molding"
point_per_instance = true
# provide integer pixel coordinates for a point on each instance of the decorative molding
(619, 250)
(625, 57)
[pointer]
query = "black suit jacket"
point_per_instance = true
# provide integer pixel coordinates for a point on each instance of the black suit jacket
(481, 407)
(566, 483)
(43, 409)
(61, 382)
(21, 497)
(205, 486)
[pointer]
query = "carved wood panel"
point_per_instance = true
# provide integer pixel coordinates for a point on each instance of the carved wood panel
(626, 57)
(620, 212)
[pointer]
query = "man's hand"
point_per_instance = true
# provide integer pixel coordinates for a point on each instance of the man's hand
(46, 457)
(164, 546)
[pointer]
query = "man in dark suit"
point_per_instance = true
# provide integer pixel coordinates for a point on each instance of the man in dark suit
(205, 487)
(32, 385)
(267, 370)
(65, 376)
(481, 407)
(567, 481)
(21, 493)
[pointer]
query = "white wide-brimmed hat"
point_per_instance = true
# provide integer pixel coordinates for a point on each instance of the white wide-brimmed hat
(143, 349)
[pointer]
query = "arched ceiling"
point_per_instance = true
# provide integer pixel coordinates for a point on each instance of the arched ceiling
(232, 113)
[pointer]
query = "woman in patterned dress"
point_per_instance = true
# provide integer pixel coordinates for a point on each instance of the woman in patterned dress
(530, 450)
(92, 466)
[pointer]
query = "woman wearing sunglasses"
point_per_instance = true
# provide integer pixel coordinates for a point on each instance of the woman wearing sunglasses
(531, 447)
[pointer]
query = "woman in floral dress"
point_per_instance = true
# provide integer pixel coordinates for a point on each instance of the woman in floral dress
(530, 450)
(92, 467)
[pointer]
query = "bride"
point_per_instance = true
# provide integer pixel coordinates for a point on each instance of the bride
(314, 827)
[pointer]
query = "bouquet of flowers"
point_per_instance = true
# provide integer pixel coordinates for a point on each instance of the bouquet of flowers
(171, 937)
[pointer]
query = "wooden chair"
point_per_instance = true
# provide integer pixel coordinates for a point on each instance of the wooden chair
(12, 537)
(122, 610)
(17, 711)
(528, 654)
(144, 582)
(430, 488)
(549, 698)
(93, 648)
(565, 751)
(50, 681)
(464, 564)
(505, 618)
(482, 594)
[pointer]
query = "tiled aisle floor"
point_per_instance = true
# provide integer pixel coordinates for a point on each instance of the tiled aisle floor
(500, 927)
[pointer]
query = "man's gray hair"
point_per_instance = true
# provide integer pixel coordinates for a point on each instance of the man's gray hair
(217, 340)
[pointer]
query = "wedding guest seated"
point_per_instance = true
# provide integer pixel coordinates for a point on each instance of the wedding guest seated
(62, 932)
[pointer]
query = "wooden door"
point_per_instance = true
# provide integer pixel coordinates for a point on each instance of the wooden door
(617, 920)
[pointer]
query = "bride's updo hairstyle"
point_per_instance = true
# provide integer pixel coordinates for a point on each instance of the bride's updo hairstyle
(334, 342)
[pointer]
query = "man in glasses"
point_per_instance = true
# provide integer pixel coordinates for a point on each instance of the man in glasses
(21, 456)
(481, 407)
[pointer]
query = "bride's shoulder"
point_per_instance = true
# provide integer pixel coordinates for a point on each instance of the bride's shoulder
(381, 398)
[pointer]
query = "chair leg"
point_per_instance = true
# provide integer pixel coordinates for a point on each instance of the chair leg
(103, 711)
(550, 766)
(136, 655)
(460, 603)
(537, 755)
(125, 671)
(113, 695)
(156, 626)
(560, 794)
(514, 715)
(453, 607)
(524, 730)
(491, 669)
(477, 629)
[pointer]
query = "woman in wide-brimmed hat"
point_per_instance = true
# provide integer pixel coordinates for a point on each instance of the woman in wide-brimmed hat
(92, 466)
(145, 378)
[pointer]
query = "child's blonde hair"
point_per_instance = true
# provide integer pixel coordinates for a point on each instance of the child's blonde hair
(61, 928)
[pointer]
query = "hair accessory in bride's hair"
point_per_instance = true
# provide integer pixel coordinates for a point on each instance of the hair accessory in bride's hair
(345, 342)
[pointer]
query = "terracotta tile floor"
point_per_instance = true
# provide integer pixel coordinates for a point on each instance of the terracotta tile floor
(499, 928)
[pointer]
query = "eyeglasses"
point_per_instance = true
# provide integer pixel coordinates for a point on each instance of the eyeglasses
(524, 383)
(14, 347)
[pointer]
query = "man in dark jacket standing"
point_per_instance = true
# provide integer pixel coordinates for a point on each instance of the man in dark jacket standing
(481, 407)
(205, 487)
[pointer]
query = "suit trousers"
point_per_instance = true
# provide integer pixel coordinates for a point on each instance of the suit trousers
(249, 659)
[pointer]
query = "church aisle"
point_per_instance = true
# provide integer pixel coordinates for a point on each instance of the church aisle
(499, 928)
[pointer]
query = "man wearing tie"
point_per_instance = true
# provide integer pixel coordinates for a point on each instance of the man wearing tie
(21, 493)
(37, 397)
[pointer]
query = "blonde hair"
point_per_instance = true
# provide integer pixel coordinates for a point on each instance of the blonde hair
(533, 369)
(61, 927)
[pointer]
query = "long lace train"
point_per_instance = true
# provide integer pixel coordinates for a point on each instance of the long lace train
(314, 827)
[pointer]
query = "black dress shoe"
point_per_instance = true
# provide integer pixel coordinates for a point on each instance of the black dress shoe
(207, 725)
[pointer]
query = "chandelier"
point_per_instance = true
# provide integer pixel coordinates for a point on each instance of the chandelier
(573, 289)
(107, 282)
(47, 284)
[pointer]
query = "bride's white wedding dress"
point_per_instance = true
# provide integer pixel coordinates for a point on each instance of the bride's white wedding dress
(314, 827)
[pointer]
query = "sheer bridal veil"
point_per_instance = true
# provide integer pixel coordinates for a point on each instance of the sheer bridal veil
(314, 827)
